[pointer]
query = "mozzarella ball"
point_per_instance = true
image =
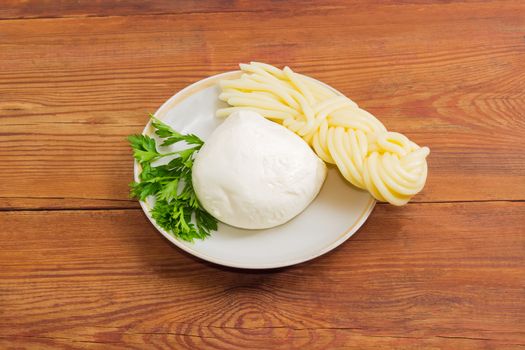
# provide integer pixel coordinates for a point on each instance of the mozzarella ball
(253, 173)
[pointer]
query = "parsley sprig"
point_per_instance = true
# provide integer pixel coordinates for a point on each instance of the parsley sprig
(177, 208)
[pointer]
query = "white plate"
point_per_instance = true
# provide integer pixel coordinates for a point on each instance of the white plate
(334, 216)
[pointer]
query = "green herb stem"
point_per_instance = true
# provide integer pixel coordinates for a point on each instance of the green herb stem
(176, 209)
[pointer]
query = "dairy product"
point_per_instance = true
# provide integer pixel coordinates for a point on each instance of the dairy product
(387, 164)
(254, 173)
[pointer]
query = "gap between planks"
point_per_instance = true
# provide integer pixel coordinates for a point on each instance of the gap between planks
(184, 13)
(115, 208)
(343, 329)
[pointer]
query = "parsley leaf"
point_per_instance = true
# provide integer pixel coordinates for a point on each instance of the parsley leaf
(176, 208)
(144, 149)
(171, 136)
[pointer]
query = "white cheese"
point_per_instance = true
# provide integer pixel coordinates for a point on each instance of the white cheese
(254, 173)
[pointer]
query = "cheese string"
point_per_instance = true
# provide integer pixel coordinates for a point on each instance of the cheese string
(387, 164)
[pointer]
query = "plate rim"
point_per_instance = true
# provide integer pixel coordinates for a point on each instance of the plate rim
(179, 97)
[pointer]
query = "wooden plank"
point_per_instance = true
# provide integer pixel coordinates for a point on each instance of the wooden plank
(18, 9)
(13, 9)
(426, 275)
(450, 76)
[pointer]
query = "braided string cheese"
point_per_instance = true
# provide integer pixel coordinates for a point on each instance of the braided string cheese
(387, 164)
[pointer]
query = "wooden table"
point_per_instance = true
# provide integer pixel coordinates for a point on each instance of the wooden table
(81, 267)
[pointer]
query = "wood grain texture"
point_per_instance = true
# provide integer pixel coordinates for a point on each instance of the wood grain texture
(423, 276)
(449, 75)
(16, 9)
